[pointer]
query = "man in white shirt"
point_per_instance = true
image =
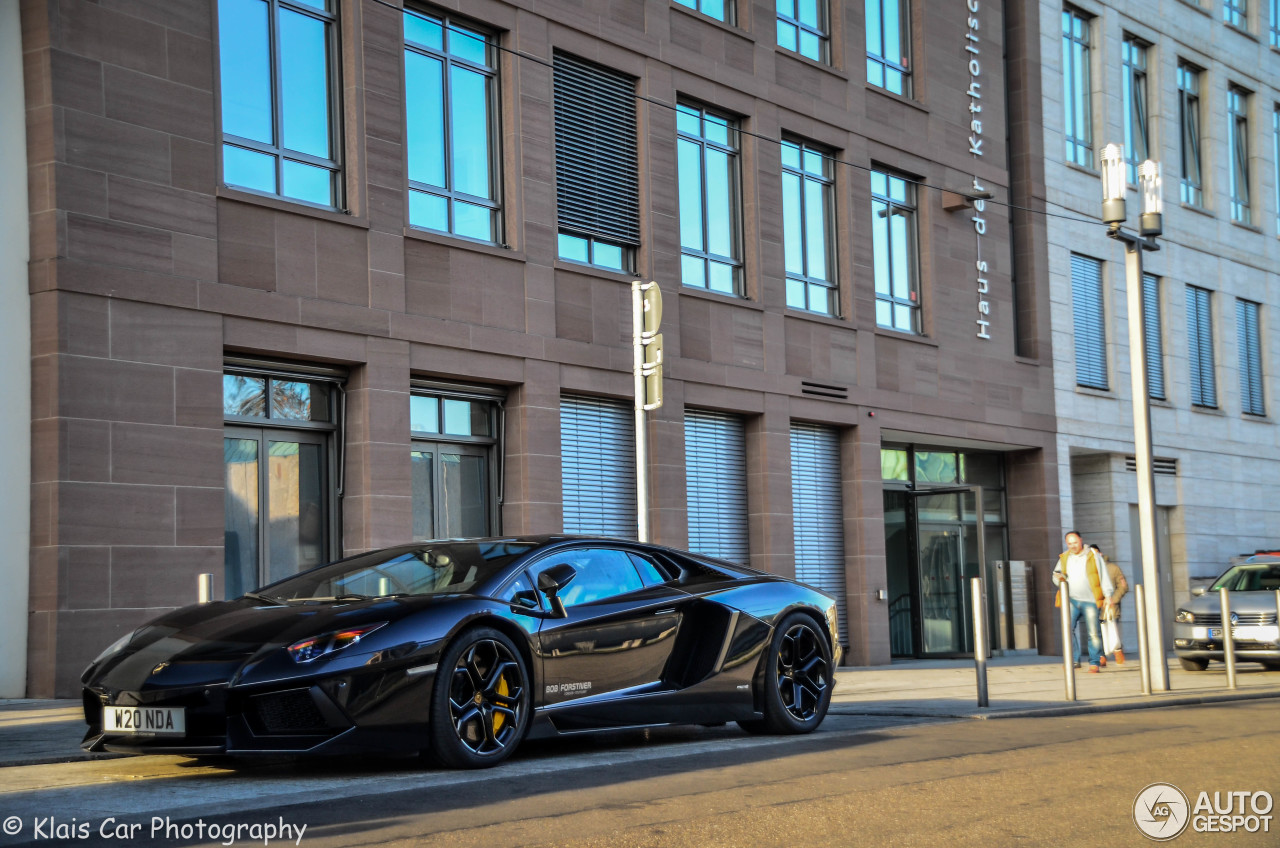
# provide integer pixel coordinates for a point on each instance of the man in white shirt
(1087, 586)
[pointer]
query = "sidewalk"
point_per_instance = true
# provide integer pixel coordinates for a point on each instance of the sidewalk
(1023, 685)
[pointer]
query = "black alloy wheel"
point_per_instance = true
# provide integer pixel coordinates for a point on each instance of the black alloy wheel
(798, 678)
(481, 703)
(1193, 663)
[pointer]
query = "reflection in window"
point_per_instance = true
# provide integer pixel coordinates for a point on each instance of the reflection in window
(1238, 145)
(244, 395)
(1189, 121)
(721, 10)
(449, 466)
(293, 400)
(707, 157)
(893, 464)
(893, 238)
(889, 45)
(277, 70)
(1134, 92)
(601, 574)
(593, 251)
(808, 220)
(936, 467)
(803, 28)
(1077, 88)
(449, 74)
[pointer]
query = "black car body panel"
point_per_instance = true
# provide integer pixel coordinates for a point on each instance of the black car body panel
(684, 647)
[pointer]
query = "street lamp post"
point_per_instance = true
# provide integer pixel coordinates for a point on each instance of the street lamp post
(1150, 225)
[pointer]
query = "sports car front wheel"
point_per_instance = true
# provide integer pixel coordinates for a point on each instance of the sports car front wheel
(798, 678)
(481, 702)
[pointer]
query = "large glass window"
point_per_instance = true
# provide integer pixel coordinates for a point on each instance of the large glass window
(1204, 383)
(803, 28)
(889, 45)
(893, 243)
(1236, 13)
(1137, 140)
(1153, 335)
(449, 77)
(1238, 145)
(1090, 322)
(1249, 339)
(721, 10)
(1077, 88)
(710, 224)
(1275, 23)
(450, 465)
(279, 115)
(1275, 156)
(808, 222)
(1189, 121)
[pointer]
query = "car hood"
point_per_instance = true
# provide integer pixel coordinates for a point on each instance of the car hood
(216, 644)
(1251, 602)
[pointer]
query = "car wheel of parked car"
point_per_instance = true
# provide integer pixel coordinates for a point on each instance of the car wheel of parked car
(1271, 666)
(1193, 664)
(481, 702)
(798, 679)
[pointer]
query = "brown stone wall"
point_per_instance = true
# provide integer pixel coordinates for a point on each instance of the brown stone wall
(146, 271)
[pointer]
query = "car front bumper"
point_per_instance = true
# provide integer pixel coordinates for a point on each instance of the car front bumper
(1197, 641)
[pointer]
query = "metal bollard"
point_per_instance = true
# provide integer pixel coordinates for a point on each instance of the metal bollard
(1143, 654)
(1068, 661)
(979, 638)
(1228, 638)
(204, 588)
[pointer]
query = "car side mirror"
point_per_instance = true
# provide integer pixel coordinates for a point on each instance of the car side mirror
(552, 583)
(1197, 591)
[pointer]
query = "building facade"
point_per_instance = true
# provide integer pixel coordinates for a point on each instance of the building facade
(314, 276)
(1195, 86)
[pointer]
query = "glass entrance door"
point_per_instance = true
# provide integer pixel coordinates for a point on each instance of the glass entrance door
(949, 549)
(276, 505)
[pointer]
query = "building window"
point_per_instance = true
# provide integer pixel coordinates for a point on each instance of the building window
(1152, 335)
(808, 222)
(889, 45)
(1077, 88)
(1236, 13)
(1090, 322)
(817, 513)
(710, 220)
(721, 10)
(893, 243)
(597, 467)
(716, 481)
(1250, 340)
(1189, 120)
(597, 184)
(1204, 385)
(451, 464)
(278, 67)
(1134, 89)
(803, 28)
(1238, 144)
(449, 73)
(1275, 23)
(1275, 156)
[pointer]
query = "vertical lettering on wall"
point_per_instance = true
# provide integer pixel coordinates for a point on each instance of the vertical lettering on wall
(972, 46)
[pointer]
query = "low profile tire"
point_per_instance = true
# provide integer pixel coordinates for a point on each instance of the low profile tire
(798, 678)
(480, 706)
(1271, 666)
(1193, 664)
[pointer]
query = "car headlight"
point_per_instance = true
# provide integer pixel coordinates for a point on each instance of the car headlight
(1184, 617)
(326, 643)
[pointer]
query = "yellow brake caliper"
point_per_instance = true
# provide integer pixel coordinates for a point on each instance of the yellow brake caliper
(499, 718)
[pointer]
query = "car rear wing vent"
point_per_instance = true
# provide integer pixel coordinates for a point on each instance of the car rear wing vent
(1162, 466)
(823, 390)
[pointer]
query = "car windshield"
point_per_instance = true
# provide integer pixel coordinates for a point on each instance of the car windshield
(1250, 577)
(427, 569)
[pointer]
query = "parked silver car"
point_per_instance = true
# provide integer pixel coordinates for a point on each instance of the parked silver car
(1197, 627)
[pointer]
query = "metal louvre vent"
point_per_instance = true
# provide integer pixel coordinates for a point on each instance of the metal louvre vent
(1151, 332)
(1246, 619)
(716, 477)
(597, 185)
(1166, 467)
(822, 390)
(818, 512)
(1251, 399)
(598, 467)
(1204, 384)
(1090, 322)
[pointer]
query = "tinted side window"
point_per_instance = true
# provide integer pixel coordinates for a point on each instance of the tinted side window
(649, 572)
(602, 574)
(520, 592)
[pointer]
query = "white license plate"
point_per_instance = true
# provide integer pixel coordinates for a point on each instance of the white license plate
(158, 721)
(1248, 633)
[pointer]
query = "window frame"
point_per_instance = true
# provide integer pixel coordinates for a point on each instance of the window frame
(1135, 102)
(1249, 341)
(733, 150)
(333, 100)
(827, 181)
(1077, 86)
(1275, 156)
(1236, 13)
(1191, 144)
(909, 209)
(822, 30)
(448, 60)
(730, 16)
(1238, 100)
(885, 63)
(489, 447)
(1203, 371)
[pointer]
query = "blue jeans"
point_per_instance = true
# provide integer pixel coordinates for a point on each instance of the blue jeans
(1089, 611)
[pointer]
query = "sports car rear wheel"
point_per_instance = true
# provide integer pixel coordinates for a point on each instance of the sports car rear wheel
(797, 680)
(480, 706)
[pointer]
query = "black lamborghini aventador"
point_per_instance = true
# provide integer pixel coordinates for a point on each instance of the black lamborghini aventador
(464, 648)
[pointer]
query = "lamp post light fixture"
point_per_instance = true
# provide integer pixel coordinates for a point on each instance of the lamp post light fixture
(1150, 225)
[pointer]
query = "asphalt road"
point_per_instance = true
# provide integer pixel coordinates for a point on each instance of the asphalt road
(858, 781)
